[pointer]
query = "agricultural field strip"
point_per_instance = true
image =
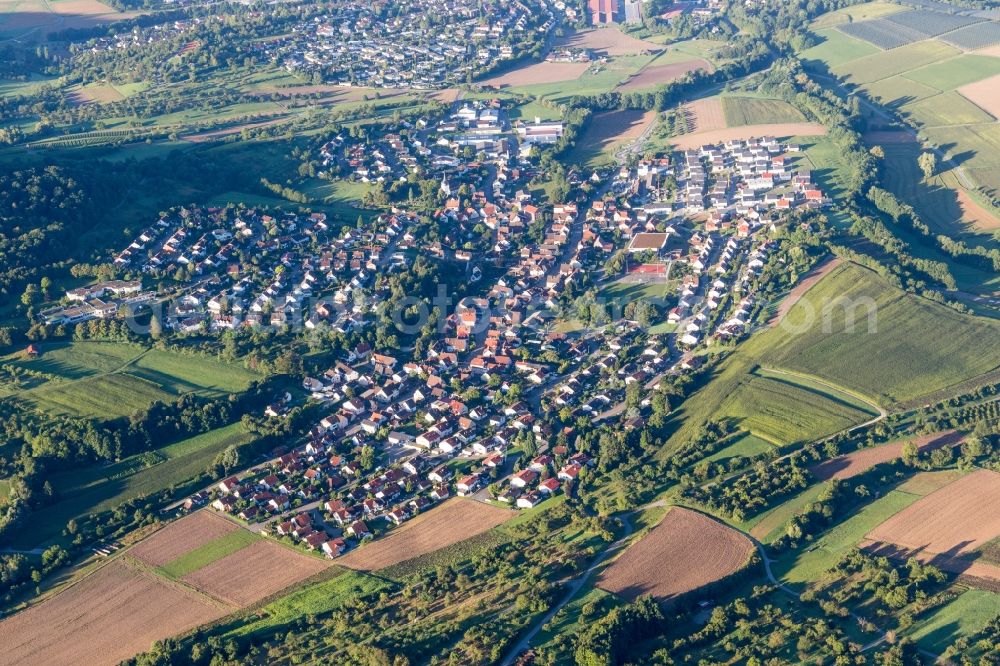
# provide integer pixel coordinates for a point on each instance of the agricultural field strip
(207, 553)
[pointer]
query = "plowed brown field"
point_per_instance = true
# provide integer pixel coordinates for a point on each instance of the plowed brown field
(952, 521)
(654, 75)
(107, 617)
(852, 464)
(608, 41)
(684, 552)
(181, 536)
(699, 139)
(254, 572)
(541, 72)
(707, 114)
(455, 520)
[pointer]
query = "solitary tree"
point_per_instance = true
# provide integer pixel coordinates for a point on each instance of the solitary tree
(927, 163)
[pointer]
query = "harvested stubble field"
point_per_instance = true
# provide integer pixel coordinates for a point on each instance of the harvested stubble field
(858, 462)
(684, 552)
(608, 41)
(953, 521)
(707, 114)
(253, 573)
(182, 536)
(455, 520)
(540, 72)
(698, 139)
(107, 617)
(654, 75)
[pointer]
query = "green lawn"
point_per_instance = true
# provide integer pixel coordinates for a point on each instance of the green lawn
(98, 488)
(963, 616)
(896, 91)
(207, 553)
(75, 360)
(102, 397)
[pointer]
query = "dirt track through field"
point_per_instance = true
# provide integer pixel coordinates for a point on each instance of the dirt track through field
(181, 536)
(105, 618)
(952, 521)
(858, 462)
(455, 520)
(684, 552)
(254, 572)
(699, 139)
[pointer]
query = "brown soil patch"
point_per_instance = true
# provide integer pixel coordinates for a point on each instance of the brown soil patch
(989, 51)
(852, 464)
(982, 218)
(446, 95)
(107, 617)
(699, 139)
(802, 287)
(608, 41)
(540, 72)
(253, 573)
(706, 114)
(455, 520)
(956, 565)
(952, 521)
(985, 94)
(684, 552)
(182, 536)
(654, 75)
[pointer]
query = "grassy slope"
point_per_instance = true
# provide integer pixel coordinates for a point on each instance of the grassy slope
(916, 347)
(910, 348)
(964, 616)
(755, 111)
(93, 489)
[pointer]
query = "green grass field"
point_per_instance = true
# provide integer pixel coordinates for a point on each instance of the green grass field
(744, 445)
(785, 414)
(207, 553)
(914, 347)
(955, 72)
(963, 616)
(836, 48)
(742, 111)
(948, 108)
(902, 346)
(107, 380)
(98, 488)
(897, 61)
(808, 565)
(322, 597)
(106, 396)
(862, 12)
(896, 91)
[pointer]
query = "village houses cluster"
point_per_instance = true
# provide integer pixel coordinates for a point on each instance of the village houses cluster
(422, 45)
